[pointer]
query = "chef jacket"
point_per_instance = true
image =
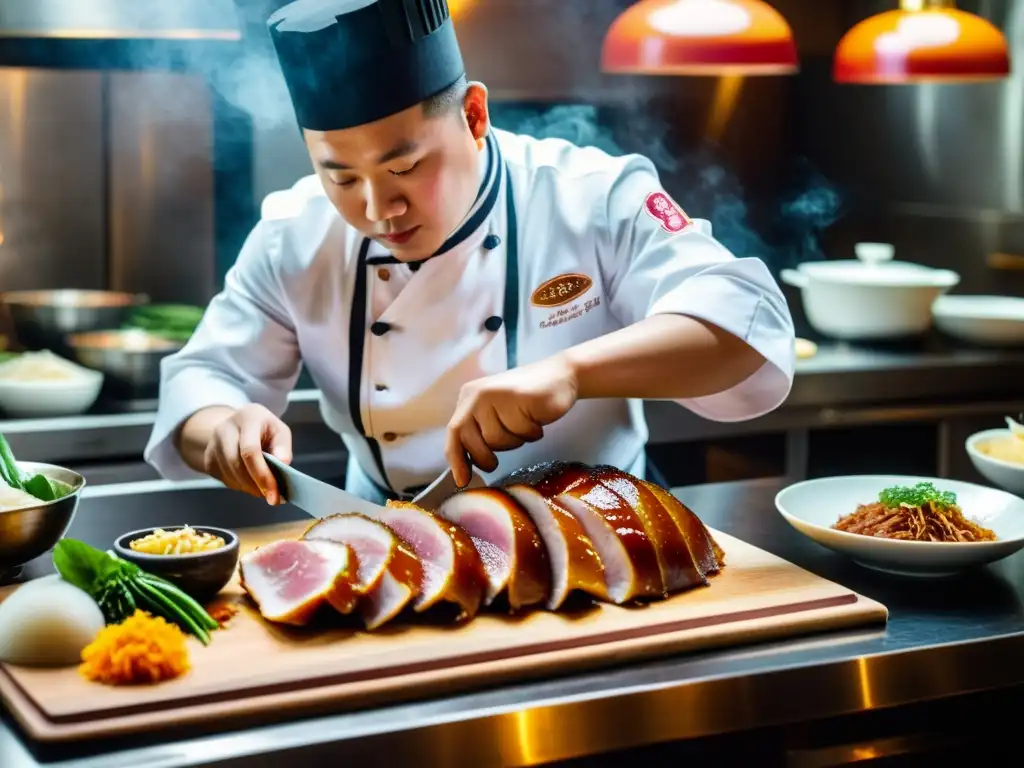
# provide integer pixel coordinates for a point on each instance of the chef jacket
(563, 244)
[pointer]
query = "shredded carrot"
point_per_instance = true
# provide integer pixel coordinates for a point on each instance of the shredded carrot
(141, 649)
(223, 613)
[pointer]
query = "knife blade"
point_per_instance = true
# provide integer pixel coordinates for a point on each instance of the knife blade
(435, 494)
(314, 496)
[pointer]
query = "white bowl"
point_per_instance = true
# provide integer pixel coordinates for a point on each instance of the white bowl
(991, 320)
(1005, 474)
(813, 506)
(42, 399)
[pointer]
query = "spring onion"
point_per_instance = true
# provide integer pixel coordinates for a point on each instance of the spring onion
(119, 587)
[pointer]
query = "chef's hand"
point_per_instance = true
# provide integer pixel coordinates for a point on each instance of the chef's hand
(234, 454)
(504, 411)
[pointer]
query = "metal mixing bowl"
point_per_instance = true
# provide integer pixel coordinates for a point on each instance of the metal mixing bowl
(29, 532)
(43, 318)
(129, 358)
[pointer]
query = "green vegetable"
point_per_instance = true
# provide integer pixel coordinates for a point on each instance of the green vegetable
(8, 465)
(916, 496)
(119, 587)
(172, 321)
(40, 486)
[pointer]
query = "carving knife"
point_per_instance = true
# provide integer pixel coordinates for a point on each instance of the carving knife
(321, 499)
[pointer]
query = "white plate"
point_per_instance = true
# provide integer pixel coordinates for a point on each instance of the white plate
(813, 506)
(995, 320)
(1006, 474)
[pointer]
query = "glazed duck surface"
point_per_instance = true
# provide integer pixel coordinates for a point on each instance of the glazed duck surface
(675, 562)
(539, 535)
(616, 530)
(389, 574)
(508, 541)
(452, 569)
(575, 563)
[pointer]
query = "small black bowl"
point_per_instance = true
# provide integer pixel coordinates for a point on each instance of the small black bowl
(199, 574)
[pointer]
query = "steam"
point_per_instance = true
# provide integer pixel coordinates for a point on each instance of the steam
(252, 83)
(701, 183)
(248, 79)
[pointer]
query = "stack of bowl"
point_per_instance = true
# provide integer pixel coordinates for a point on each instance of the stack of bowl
(115, 342)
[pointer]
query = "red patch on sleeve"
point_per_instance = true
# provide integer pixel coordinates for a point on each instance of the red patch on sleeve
(663, 208)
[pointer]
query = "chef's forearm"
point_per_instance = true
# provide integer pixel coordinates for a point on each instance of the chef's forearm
(194, 435)
(664, 357)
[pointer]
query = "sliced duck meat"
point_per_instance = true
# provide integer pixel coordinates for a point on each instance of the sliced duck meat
(291, 580)
(508, 541)
(675, 561)
(399, 585)
(630, 561)
(572, 556)
(452, 569)
(707, 556)
(389, 575)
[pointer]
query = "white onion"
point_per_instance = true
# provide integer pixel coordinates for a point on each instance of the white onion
(47, 622)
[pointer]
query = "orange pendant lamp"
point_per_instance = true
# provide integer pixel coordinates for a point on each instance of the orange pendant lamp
(700, 37)
(459, 9)
(923, 41)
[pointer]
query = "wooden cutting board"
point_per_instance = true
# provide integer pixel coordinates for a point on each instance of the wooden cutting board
(254, 672)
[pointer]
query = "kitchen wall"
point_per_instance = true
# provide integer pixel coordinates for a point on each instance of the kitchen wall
(789, 168)
(786, 168)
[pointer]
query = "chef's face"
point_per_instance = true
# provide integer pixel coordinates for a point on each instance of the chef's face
(409, 179)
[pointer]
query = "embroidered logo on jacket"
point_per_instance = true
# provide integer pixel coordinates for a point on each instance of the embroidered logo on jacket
(663, 208)
(561, 290)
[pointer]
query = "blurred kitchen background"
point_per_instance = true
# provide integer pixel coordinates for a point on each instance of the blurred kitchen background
(138, 138)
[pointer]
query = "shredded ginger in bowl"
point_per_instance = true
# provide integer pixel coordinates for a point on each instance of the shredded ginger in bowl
(40, 366)
(182, 541)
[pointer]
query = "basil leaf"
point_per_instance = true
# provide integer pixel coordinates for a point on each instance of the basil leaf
(39, 486)
(84, 566)
(60, 490)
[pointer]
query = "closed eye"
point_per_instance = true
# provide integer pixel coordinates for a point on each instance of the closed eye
(406, 171)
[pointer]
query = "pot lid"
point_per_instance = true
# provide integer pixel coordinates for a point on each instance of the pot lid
(874, 266)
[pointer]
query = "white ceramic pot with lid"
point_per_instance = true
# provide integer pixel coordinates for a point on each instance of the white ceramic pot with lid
(872, 297)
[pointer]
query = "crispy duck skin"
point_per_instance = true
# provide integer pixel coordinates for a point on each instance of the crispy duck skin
(679, 571)
(452, 569)
(508, 541)
(291, 580)
(708, 557)
(389, 575)
(574, 561)
(631, 568)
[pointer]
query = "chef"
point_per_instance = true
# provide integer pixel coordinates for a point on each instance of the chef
(462, 296)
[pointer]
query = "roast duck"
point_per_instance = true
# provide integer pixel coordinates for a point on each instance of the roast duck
(538, 536)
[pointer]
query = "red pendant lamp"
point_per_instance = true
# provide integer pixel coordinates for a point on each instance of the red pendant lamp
(923, 41)
(700, 37)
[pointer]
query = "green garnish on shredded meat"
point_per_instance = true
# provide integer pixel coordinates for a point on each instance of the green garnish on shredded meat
(916, 496)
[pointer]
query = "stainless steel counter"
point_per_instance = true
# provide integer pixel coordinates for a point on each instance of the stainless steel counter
(943, 639)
